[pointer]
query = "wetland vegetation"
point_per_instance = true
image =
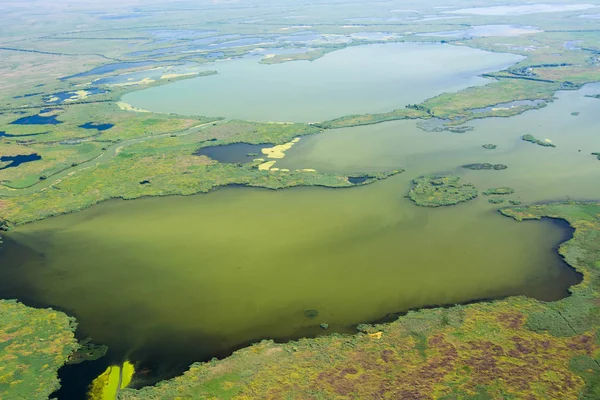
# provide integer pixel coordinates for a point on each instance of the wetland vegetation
(485, 166)
(531, 139)
(500, 190)
(439, 190)
(356, 292)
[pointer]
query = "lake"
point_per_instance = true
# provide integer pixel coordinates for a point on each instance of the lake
(538, 173)
(168, 281)
(356, 80)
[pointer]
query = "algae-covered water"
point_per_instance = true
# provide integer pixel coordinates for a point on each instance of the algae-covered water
(356, 80)
(168, 281)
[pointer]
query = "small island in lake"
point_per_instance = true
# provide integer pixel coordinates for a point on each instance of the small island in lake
(532, 139)
(440, 190)
(485, 166)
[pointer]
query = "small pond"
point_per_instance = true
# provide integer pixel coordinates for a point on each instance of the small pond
(15, 161)
(96, 125)
(233, 153)
(37, 120)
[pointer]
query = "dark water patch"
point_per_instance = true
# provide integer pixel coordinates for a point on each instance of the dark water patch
(76, 379)
(105, 69)
(37, 120)
(357, 180)
(146, 182)
(232, 153)
(27, 95)
(96, 125)
(15, 161)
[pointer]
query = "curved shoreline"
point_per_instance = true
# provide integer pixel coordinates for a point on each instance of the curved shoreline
(268, 348)
(381, 324)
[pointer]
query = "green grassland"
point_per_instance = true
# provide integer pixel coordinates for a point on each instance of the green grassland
(34, 343)
(510, 349)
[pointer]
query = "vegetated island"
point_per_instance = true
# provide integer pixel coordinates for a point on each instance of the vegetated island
(441, 190)
(499, 191)
(489, 146)
(510, 348)
(532, 139)
(597, 154)
(485, 166)
(496, 200)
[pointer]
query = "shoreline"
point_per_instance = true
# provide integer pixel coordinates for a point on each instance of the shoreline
(369, 327)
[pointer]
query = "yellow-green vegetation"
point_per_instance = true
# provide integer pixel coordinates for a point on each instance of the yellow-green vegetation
(516, 348)
(440, 190)
(499, 191)
(370, 119)
(127, 372)
(485, 166)
(63, 147)
(108, 385)
(457, 106)
(166, 161)
(55, 158)
(34, 344)
(127, 125)
(531, 139)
